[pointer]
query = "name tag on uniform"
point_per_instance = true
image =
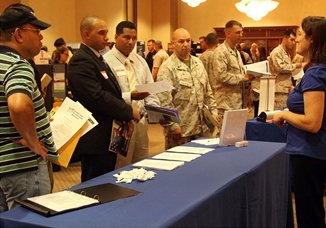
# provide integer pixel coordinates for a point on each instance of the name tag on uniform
(120, 72)
(104, 74)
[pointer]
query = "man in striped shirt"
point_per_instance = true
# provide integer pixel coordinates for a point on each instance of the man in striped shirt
(25, 134)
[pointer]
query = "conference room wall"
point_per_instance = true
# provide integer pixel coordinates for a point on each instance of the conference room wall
(158, 18)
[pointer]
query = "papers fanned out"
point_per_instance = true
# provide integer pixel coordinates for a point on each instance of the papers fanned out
(258, 69)
(177, 156)
(45, 80)
(158, 164)
(69, 123)
(156, 87)
(155, 114)
(188, 149)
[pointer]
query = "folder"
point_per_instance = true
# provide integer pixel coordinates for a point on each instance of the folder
(208, 118)
(67, 200)
(45, 80)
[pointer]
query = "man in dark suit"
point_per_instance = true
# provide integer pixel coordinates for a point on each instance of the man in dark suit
(93, 84)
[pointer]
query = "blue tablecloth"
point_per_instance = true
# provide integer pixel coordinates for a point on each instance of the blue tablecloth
(268, 132)
(229, 187)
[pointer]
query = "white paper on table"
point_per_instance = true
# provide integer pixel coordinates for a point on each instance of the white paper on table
(156, 87)
(90, 124)
(188, 149)
(177, 156)
(64, 200)
(159, 164)
(69, 118)
(207, 142)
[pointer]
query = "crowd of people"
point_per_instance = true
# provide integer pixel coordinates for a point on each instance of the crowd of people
(103, 79)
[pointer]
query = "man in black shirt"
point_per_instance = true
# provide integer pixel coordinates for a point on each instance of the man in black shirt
(150, 54)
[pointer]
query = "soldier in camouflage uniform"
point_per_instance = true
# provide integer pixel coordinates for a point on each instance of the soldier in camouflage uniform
(229, 72)
(192, 90)
(206, 58)
(281, 66)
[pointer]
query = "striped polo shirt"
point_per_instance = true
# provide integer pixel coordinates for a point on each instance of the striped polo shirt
(17, 76)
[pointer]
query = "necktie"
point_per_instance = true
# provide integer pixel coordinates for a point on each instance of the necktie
(110, 73)
(132, 83)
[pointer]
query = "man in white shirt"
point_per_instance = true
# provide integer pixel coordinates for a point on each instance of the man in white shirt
(159, 58)
(120, 58)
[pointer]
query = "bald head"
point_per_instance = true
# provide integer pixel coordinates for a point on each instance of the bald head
(181, 42)
(94, 32)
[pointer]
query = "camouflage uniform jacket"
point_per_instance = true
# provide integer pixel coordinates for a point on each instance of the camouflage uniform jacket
(281, 66)
(229, 72)
(207, 59)
(192, 90)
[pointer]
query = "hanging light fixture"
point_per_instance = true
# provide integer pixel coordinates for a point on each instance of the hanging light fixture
(256, 9)
(193, 3)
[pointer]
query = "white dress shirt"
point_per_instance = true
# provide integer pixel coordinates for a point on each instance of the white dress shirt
(116, 61)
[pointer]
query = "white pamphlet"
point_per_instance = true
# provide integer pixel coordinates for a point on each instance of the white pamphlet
(258, 69)
(45, 80)
(155, 87)
(177, 156)
(189, 149)
(159, 164)
(69, 118)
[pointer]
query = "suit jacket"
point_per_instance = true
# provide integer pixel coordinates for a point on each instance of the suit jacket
(94, 85)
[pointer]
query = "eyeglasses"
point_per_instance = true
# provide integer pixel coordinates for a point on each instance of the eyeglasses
(38, 31)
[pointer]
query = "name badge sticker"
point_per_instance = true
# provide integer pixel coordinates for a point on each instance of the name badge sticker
(104, 74)
(120, 72)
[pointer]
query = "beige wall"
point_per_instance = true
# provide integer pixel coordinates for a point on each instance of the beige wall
(157, 19)
(215, 13)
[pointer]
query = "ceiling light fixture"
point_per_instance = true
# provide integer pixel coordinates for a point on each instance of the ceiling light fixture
(193, 3)
(256, 9)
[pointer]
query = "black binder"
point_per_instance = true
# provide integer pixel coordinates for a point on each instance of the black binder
(102, 193)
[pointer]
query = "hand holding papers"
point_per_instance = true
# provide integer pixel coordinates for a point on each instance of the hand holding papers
(156, 87)
(155, 114)
(68, 125)
(258, 69)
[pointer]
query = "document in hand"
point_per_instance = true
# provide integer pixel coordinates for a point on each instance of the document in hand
(67, 127)
(208, 118)
(155, 87)
(258, 69)
(45, 80)
(119, 143)
(155, 114)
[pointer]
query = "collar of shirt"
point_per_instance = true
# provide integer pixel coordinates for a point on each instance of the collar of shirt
(231, 50)
(121, 57)
(93, 50)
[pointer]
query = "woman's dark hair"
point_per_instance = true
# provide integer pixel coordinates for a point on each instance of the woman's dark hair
(57, 53)
(318, 46)
(315, 28)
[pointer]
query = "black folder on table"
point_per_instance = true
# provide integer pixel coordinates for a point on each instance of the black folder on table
(102, 193)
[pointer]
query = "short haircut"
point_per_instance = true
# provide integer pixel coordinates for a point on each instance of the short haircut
(203, 37)
(158, 43)
(287, 33)
(124, 24)
(59, 42)
(231, 23)
(151, 40)
(211, 39)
